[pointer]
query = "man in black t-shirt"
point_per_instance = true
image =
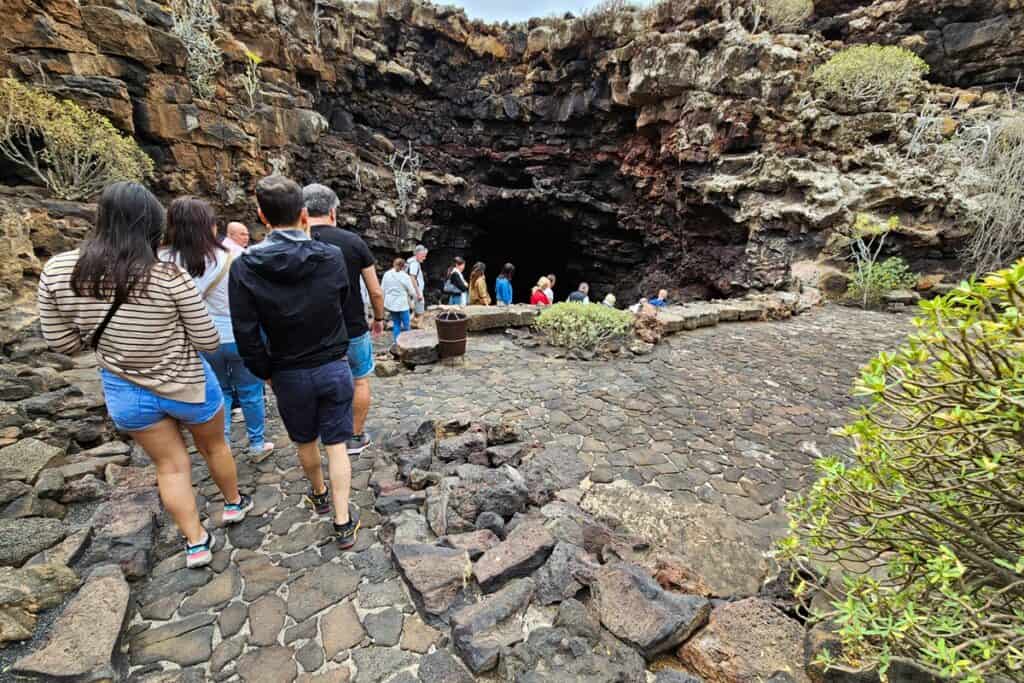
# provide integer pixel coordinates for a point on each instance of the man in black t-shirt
(322, 204)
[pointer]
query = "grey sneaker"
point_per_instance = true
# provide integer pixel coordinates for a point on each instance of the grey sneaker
(357, 443)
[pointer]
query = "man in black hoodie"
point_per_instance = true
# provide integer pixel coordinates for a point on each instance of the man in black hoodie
(287, 296)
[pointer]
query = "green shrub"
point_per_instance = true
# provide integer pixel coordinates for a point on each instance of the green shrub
(583, 326)
(869, 74)
(196, 25)
(872, 282)
(73, 151)
(924, 520)
(784, 15)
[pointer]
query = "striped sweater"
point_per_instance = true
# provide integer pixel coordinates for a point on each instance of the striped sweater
(153, 339)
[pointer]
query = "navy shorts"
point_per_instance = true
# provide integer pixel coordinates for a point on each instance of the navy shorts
(315, 402)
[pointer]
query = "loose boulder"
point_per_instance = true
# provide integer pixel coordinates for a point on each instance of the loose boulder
(480, 631)
(637, 610)
(436, 576)
(744, 641)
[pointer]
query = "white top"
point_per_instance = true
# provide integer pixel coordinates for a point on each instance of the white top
(550, 294)
(397, 288)
(415, 269)
(217, 302)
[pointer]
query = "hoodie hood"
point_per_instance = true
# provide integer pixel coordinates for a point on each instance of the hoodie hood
(286, 256)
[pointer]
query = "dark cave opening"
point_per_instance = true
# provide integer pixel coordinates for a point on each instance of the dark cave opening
(575, 244)
(535, 247)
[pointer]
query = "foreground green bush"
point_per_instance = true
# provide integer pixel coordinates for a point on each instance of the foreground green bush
(583, 326)
(869, 74)
(925, 517)
(73, 151)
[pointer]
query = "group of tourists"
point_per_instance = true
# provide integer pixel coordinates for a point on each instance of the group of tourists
(184, 321)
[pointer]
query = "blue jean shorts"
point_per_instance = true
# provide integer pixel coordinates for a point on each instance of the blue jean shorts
(316, 402)
(134, 408)
(360, 356)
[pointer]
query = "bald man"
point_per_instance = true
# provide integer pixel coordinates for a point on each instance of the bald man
(238, 233)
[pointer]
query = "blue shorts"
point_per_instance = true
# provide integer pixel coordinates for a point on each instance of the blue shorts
(360, 356)
(315, 402)
(134, 408)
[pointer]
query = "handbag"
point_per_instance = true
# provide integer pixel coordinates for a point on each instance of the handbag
(225, 269)
(450, 288)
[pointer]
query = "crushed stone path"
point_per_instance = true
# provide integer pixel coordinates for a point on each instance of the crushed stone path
(730, 416)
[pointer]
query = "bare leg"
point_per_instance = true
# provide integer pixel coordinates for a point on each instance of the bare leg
(309, 458)
(360, 405)
(210, 443)
(167, 450)
(341, 480)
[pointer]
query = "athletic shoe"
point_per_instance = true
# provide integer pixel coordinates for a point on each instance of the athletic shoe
(321, 503)
(262, 453)
(348, 533)
(200, 554)
(357, 443)
(235, 512)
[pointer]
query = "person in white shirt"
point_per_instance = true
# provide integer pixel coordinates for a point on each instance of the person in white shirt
(192, 244)
(414, 267)
(399, 291)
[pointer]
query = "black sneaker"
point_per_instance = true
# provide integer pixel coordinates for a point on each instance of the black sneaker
(357, 443)
(321, 502)
(348, 533)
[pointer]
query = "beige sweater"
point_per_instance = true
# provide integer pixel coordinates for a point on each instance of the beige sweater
(153, 339)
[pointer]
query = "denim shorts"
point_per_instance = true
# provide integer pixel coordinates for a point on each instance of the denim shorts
(360, 356)
(316, 402)
(134, 408)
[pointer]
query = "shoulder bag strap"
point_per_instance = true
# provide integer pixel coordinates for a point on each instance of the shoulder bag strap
(94, 341)
(220, 276)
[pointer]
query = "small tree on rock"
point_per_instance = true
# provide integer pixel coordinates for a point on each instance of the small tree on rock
(73, 151)
(869, 75)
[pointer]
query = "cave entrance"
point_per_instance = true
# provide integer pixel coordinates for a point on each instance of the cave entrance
(535, 245)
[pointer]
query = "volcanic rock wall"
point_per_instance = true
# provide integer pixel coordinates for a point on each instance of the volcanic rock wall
(636, 150)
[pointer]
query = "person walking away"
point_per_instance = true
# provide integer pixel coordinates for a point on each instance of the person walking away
(414, 266)
(146, 322)
(398, 292)
(455, 283)
(538, 296)
(191, 243)
(287, 294)
(503, 285)
(581, 295)
(237, 234)
(322, 205)
(478, 294)
(661, 300)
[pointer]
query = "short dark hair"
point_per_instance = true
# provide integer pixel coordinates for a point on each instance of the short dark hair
(280, 200)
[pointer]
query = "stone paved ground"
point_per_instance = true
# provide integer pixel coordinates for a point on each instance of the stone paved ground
(729, 416)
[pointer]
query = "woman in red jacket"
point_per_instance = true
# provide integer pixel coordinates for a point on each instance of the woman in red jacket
(539, 298)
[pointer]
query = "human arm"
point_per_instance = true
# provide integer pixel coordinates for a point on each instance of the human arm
(376, 293)
(459, 281)
(61, 335)
(414, 278)
(195, 317)
(245, 323)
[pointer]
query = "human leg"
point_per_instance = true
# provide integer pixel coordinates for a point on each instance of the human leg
(165, 447)
(396, 323)
(297, 405)
(309, 458)
(209, 440)
(251, 398)
(335, 391)
(219, 362)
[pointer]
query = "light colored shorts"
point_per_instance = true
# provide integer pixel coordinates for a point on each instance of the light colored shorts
(360, 356)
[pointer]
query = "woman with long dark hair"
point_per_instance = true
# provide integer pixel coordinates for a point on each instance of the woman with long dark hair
(478, 294)
(146, 321)
(503, 285)
(455, 283)
(192, 243)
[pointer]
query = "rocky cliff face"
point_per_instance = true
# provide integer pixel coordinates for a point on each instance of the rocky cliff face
(635, 150)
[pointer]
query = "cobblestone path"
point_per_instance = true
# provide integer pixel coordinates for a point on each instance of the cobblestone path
(731, 416)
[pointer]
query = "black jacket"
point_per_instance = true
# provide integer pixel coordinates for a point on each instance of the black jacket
(287, 295)
(460, 282)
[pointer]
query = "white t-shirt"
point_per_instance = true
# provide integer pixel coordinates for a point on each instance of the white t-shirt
(217, 302)
(415, 269)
